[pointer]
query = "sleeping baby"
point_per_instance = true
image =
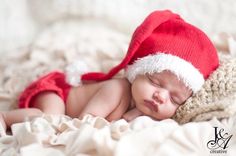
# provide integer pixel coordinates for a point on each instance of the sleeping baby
(167, 61)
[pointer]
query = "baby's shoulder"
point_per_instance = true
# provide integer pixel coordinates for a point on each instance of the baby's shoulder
(118, 84)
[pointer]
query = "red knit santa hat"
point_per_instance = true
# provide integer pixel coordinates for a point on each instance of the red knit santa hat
(164, 41)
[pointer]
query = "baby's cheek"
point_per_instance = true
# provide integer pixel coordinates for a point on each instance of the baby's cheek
(174, 108)
(142, 94)
(136, 91)
(170, 110)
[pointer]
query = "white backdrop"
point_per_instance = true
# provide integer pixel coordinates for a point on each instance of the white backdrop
(22, 20)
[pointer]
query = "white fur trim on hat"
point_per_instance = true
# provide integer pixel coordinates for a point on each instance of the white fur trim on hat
(150, 64)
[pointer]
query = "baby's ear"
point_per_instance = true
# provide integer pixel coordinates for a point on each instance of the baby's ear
(217, 98)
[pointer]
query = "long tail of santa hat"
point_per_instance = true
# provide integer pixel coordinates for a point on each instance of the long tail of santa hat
(141, 33)
(164, 41)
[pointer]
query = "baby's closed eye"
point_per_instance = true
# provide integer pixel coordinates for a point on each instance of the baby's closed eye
(153, 81)
(175, 100)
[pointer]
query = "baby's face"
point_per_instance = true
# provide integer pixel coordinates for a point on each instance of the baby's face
(160, 94)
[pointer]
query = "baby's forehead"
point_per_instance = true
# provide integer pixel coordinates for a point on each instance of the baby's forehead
(165, 73)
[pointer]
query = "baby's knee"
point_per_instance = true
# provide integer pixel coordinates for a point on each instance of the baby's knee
(35, 112)
(3, 125)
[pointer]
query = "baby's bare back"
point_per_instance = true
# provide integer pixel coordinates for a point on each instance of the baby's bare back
(109, 99)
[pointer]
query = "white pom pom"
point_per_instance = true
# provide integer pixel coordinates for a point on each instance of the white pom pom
(74, 72)
(232, 46)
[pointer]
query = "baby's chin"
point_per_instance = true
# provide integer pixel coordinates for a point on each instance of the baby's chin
(154, 115)
(158, 116)
(162, 115)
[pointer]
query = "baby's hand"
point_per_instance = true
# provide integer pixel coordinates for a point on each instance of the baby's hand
(132, 114)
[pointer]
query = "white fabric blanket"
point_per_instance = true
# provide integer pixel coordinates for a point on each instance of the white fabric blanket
(61, 135)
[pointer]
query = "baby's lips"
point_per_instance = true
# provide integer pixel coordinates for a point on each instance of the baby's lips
(151, 105)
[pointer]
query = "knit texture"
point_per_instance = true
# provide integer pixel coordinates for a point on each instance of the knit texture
(216, 98)
(164, 32)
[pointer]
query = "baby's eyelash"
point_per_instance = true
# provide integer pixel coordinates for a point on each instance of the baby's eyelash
(172, 100)
(150, 79)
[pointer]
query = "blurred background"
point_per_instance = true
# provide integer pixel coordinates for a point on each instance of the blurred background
(23, 22)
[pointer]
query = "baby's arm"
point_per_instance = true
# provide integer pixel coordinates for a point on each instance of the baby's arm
(132, 114)
(111, 101)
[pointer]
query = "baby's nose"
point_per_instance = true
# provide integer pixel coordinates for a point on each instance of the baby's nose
(159, 97)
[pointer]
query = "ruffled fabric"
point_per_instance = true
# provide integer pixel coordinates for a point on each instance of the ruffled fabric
(94, 136)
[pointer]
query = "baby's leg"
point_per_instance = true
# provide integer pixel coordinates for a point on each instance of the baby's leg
(19, 115)
(49, 103)
(2, 125)
(46, 102)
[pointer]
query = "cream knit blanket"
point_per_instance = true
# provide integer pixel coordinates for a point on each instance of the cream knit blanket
(216, 98)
